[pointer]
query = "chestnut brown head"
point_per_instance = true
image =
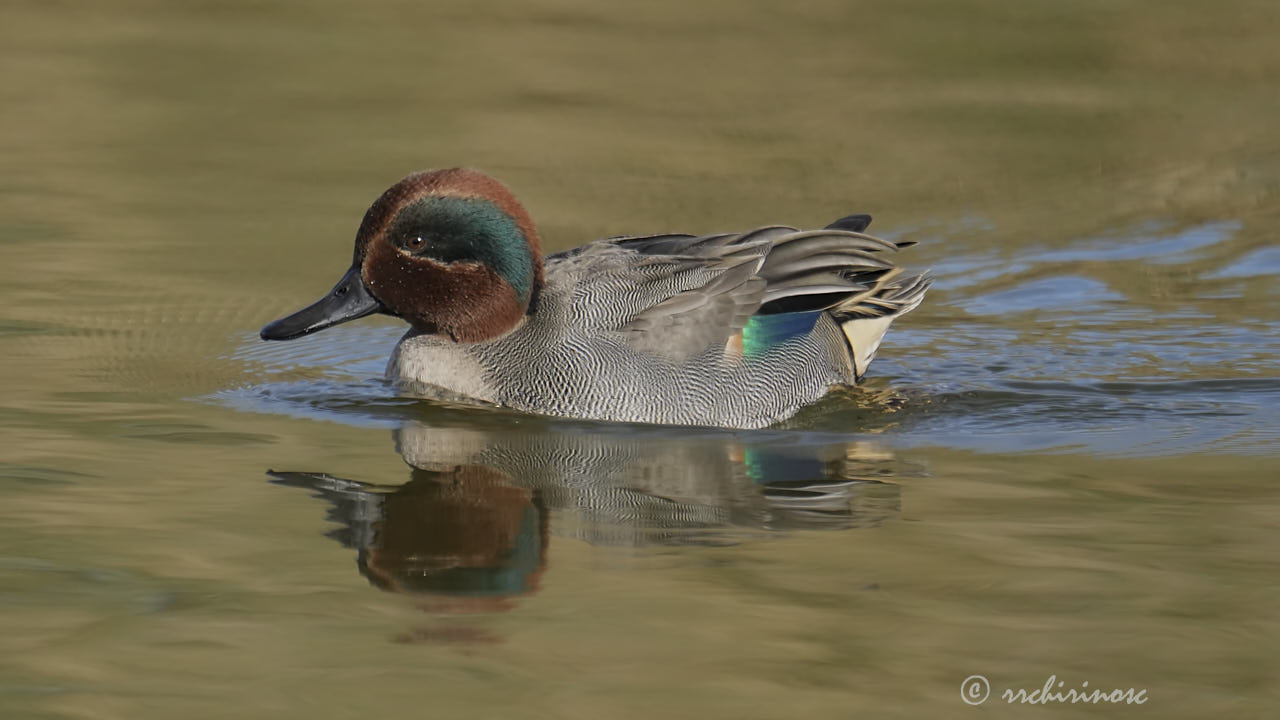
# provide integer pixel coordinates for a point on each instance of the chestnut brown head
(452, 252)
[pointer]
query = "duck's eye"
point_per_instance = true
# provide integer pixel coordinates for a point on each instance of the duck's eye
(415, 241)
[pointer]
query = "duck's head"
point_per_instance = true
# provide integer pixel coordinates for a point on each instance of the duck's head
(449, 251)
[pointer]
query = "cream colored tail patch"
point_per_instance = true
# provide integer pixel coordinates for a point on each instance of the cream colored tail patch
(864, 336)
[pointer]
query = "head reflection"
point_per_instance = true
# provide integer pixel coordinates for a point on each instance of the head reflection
(466, 532)
(470, 530)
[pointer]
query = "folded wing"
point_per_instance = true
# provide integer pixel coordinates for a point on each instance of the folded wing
(682, 295)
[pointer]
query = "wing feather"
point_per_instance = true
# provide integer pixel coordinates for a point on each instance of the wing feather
(680, 295)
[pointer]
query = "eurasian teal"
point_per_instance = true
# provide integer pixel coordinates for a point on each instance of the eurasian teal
(731, 330)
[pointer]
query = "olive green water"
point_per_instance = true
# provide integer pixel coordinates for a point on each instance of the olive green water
(1063, 464)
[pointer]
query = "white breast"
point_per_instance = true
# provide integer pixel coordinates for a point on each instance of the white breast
(428, 366)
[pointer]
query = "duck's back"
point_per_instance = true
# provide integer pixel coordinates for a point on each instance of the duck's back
(736, 330)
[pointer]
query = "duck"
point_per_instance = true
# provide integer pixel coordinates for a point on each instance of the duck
(730, 330)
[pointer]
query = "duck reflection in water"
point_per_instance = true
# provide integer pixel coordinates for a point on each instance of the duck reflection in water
(467, 538)
(470, 530)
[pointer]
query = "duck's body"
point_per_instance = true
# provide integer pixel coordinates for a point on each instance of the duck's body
(735, 330)
(662, 330)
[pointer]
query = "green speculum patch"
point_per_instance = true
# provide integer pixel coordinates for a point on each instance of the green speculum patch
(456, 229)
(763, 333)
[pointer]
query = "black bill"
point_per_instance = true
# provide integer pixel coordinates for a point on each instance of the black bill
(347, 300)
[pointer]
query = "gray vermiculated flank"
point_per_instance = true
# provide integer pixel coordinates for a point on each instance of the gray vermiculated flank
(635, 329)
